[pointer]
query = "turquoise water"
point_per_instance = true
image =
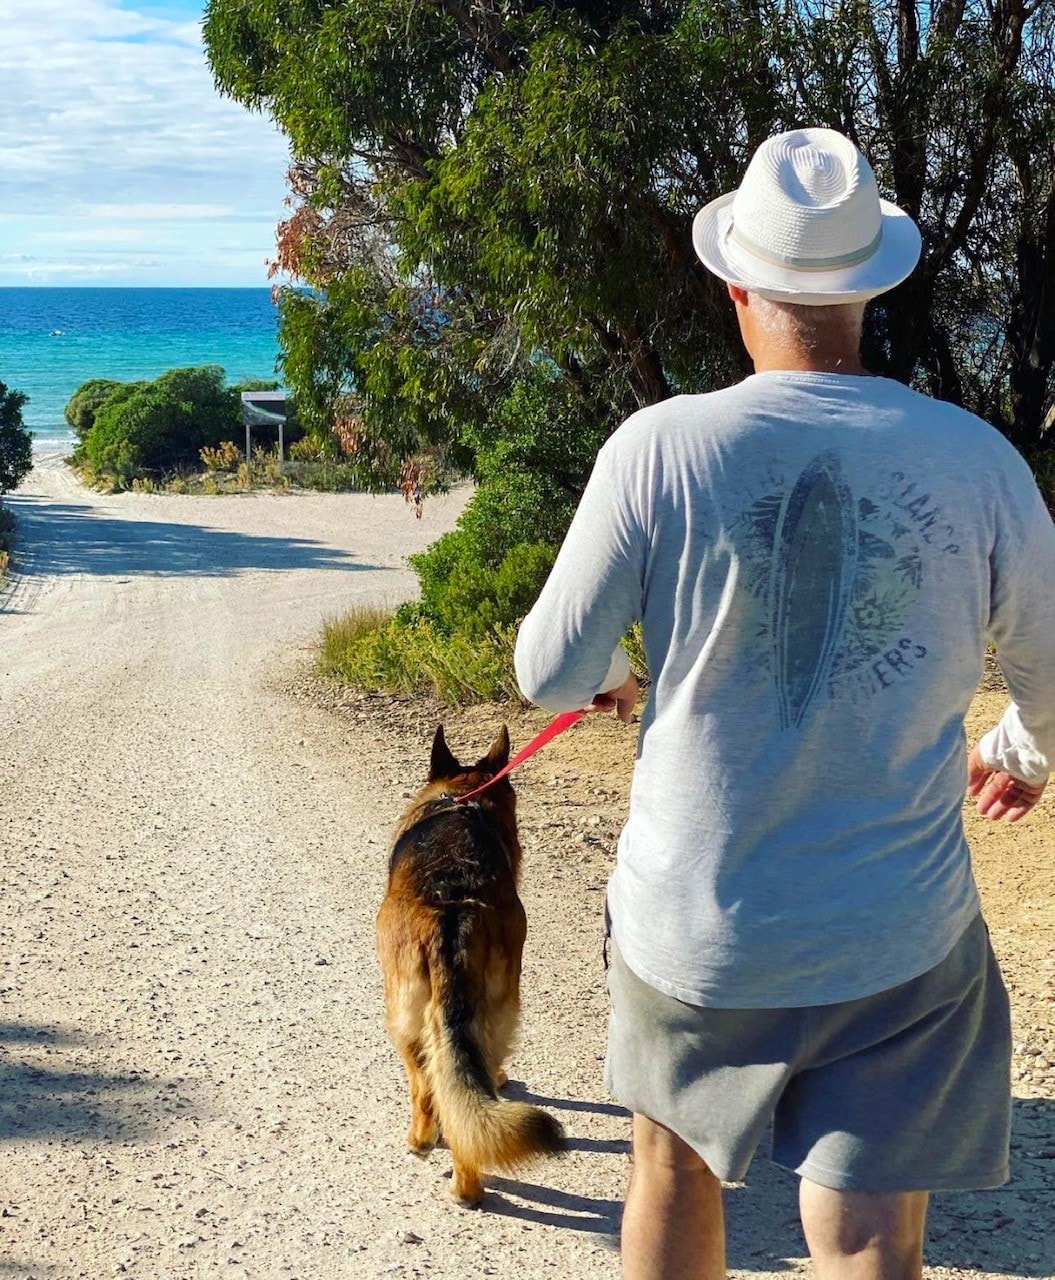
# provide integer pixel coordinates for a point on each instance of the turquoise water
(52, 340)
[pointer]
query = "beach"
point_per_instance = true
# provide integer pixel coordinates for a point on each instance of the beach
(195, 1078)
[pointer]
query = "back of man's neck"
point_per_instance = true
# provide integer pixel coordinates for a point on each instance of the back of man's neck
(788, 360)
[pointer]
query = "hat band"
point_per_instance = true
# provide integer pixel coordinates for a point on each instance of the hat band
(805, 264)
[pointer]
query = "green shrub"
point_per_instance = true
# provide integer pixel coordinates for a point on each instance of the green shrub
(329, 475)
(461, 593)
(257, 384)
(7, 537)
(162, 425)
(307, 449)
(16, 444)
(370, 649)
(532, 456)
(634, 644)
(85, 402)
(478, 581)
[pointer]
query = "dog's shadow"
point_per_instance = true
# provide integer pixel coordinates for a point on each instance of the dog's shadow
(517, 1091)
(531, 1202)
(548, 1206)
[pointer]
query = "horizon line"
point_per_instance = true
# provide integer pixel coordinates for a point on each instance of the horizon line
(268, 287)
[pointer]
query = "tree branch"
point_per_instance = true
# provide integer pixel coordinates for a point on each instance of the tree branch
(485, 36)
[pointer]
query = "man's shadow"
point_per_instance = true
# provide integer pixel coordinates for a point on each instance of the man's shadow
(1006, 1232)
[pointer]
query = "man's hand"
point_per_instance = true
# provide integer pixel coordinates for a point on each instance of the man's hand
(999, 794)
(622, 699)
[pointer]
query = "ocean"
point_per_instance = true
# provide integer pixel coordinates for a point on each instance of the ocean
(52, 340)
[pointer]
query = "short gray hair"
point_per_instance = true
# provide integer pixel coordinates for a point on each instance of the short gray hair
(810, 328)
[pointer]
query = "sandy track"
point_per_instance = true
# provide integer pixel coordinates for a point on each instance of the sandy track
(194, 1077)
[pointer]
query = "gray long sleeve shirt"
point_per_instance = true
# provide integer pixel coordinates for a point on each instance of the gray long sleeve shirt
(817, 561)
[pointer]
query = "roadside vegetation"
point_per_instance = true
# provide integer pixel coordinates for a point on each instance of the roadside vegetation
(224, 469)
(372, 649)
(183, 433)
(141, 432)
(7, 538)
(16, 462)
(491, 208)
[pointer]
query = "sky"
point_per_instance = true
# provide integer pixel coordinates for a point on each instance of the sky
(120, 163)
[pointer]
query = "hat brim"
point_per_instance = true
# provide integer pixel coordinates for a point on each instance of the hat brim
(897, 254)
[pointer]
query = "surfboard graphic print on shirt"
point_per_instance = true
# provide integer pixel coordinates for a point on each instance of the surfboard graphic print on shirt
(835, 577)
(814, 568)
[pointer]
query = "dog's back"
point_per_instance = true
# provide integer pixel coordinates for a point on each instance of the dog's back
(450, 935)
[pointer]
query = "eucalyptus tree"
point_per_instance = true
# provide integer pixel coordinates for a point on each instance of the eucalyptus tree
(492, 202)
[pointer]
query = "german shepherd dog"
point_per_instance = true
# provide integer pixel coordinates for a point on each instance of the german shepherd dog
(450, 934)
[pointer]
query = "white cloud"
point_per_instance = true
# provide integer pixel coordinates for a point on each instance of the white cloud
(93, 235)
(165, 212)
(30, 270)
(109, 116)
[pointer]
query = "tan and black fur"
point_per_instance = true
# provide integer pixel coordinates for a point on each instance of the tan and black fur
(450, 934)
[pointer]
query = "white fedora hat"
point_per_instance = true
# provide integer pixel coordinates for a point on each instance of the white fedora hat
(807, 225)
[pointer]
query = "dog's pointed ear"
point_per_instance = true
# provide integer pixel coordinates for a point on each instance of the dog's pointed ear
(443, 763)
(498, 757)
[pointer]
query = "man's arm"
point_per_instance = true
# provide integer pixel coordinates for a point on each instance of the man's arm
(568, 649)
(1010, 766)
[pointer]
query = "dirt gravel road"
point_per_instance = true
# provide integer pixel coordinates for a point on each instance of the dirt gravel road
(194, 1078)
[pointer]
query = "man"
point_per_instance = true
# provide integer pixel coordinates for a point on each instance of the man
(817, 557)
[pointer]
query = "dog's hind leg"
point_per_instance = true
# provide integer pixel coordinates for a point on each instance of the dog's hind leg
(406, 998)
(498, 1023)
(424, 1129)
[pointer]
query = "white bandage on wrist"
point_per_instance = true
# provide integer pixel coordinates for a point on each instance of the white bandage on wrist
(999, 750)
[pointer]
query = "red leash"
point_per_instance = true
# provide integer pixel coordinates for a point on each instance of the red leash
(553, 730)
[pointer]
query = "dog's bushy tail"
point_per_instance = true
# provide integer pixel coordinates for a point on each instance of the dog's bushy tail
(482, 1130)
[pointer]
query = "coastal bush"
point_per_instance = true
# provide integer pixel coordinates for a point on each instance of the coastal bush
(225, 457)
(461, 593)
(370, 648)
(143, 428)
(7, 537)
(328, 475)
(307, 449)
(223, 469)
(406, 654)
(16, 444)
(257, 384)
(84, 403)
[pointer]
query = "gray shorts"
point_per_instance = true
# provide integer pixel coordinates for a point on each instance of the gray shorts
(907, 1090)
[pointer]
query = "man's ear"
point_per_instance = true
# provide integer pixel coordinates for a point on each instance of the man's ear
(443, 764)
(498, 757)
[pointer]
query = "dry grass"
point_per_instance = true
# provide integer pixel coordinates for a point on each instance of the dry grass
(326, 475)
(369, 649)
